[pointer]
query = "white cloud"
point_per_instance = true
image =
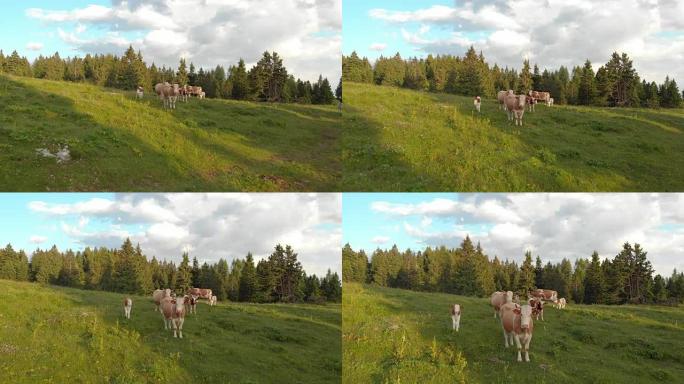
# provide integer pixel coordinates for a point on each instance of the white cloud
(553, 33)
(33, 46)
(378, 47)
(209, 226)
(554, 226)
(380, 240)
(306, 34)
(37, 239)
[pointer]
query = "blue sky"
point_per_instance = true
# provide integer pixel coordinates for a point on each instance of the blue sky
(20, 223)
(553, 226)
(306, 35)
(551, 33)
(208, 226)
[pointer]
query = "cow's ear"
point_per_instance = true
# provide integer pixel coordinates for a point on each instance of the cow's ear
(516, 311)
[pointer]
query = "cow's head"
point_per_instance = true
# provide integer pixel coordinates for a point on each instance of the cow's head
(525, 313)
(509, 296)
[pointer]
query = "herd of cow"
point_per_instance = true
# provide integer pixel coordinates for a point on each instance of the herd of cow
(174, 308)
(169, 93)
(514, 105)
(516, 320)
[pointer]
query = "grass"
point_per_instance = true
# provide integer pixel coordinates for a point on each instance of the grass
(401, 140)
(62, 335)
(398, 336)
(121, 144)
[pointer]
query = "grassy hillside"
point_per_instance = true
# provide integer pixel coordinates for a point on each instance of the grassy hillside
(397, 336)
(121, 144)
(402, 140)
(62, 335)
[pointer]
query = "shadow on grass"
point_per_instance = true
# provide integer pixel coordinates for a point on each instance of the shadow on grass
(108, 157)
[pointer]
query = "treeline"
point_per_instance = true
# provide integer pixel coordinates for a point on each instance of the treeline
(616, 83)
(278, 278)
(268, 80)
(467, 270)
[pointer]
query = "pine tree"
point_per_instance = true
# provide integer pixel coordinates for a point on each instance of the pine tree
(525, 78)
(240, 81)
(184, 275)
(526, 283)
(248, 282)
(182, 74)
(587, 89)
(594, 284)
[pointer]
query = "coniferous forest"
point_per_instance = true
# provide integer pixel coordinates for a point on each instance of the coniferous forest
(615, 84)
(278, 278)
(627, 278)
(268, 80)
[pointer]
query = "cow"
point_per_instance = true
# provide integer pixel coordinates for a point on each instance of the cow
(518, 325)
(200, 293)
(538, 306)
(213, 301)
(531, 102)
(128, 304)
(201, 95)
(477, 101)
(158, 295)
(455, 317)
(545, 294)
(500, 97)
(550, 103)
(515, 106)
(500, 298)
(173, 311)
(544, 97)
(561, 303)
(191, 304)
(139, 92)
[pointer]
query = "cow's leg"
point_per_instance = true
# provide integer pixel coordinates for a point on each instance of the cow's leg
(180, 327)
(527, 347)
(505, 336)
(458, 322)
(517, 343)
(453, 322)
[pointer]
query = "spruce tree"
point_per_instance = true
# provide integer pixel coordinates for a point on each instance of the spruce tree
(248, 283)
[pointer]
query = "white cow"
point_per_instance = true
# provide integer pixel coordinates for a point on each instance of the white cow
(212, 301)
(561, 303)
(158, 295)
(128, 304)
(139, 93)
(455, 317)
(477, 101)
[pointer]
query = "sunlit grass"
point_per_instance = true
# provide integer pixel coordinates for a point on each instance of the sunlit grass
(398, 336)
(401, 140)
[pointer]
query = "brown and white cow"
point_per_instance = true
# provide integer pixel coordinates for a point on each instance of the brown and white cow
(501, 97)
(128, 304)
(158, 295)
(477, 102)
(201, 293)
(518, 325)
(515, 106)
(139, 92)
(455, 317)
(191, 304)
(213, 301)
(561, 303)
(538, 306)
(500, 298)
(545, 294)
(173, 311)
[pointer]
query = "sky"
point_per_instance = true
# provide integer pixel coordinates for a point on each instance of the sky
(553, 226)
(208, 226)
(306, 33)
(550, 33)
